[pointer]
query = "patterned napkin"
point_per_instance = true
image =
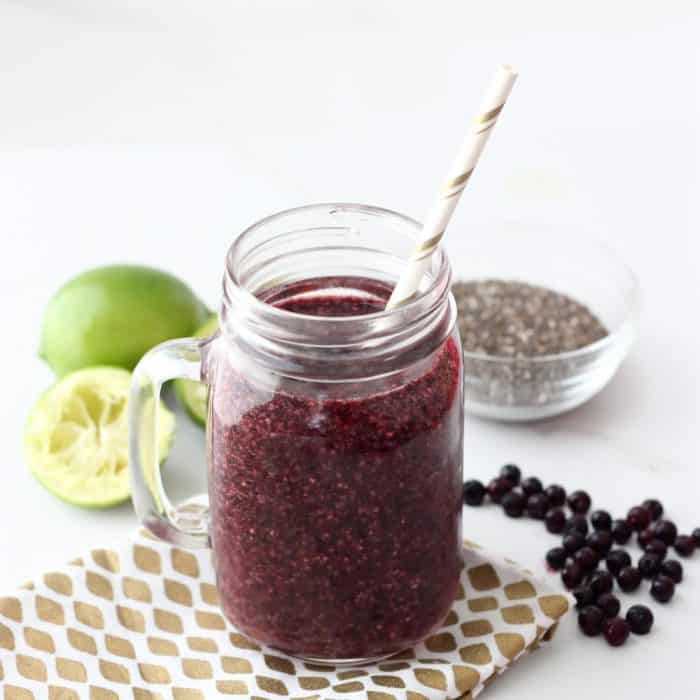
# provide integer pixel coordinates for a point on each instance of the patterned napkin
(143, 623)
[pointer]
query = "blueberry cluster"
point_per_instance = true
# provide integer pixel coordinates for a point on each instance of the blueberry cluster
(588, 559)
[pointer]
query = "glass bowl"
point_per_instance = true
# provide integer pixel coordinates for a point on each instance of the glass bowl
(510, 389)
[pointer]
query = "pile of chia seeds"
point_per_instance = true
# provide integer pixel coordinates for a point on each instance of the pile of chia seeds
(516, 321)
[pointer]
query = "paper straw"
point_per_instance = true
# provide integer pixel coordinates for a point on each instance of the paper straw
(462, 169)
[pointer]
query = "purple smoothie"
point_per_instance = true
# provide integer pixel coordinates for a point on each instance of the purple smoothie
(335, 522)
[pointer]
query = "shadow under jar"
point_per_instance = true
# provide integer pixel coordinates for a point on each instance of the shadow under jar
(334, 437)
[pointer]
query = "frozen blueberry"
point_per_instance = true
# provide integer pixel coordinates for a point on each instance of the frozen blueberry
(587, 557)
(514, 504)
(573, 541)
(656, 510)
(556, 558)
(531, 486)
(609, 604)
(577, 523)
(696, 536)
(673, 569)
(662, 588)
(657, 547)
(473, 492)
(617, 560)
(537, 506)
(684, 545)
(584, 597)
(579, 502)
(556, 495)
(591, 620)
(601, 520)
(510, 472)
(555, 521)
(666, 531)
(601, 582)
(616, 631)
(649, 565)
(601, 541)
(572, 575)
(646, 536)
(640, 619)
(498, 488)
(629, 579)
(638, 518)
(621, 531)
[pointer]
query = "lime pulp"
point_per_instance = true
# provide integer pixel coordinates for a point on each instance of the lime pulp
(76, 437)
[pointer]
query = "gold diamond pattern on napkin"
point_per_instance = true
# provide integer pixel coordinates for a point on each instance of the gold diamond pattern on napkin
(144, 624)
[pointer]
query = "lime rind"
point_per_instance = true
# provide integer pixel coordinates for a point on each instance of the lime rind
(76, 438)
(112, 315)
(194, 396)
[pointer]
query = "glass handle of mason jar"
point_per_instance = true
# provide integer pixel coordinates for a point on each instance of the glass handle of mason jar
(174, 359)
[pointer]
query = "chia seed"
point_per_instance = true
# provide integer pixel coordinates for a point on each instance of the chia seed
(518, 322)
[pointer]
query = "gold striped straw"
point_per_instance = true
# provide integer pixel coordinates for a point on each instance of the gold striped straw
(439, 216)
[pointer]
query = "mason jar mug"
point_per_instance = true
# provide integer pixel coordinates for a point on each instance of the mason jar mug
(334, 437)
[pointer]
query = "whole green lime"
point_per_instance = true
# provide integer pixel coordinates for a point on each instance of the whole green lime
(113, 315)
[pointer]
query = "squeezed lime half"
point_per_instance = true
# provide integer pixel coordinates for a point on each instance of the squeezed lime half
(194, 396)
(76, 437)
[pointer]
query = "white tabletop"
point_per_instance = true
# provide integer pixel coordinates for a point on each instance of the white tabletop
(152, 132)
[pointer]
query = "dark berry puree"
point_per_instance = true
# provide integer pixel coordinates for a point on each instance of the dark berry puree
(336, 522)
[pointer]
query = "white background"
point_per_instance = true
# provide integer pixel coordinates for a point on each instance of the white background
(152, 132)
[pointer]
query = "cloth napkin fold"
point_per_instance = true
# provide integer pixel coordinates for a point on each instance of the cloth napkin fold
(143, 623)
